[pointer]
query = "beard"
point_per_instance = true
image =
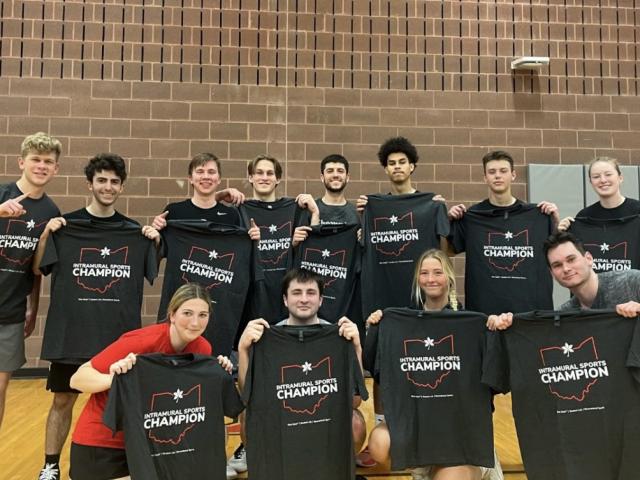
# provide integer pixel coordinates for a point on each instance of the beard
(340, 189)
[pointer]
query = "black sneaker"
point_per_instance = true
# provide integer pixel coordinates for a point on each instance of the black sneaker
(50, 471)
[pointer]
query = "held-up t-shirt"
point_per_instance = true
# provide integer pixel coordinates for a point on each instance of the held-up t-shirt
(333, 252)
(629, 207)
(337, 214)
(429, 366)
(219, 213)
(218, 257)
(277, 221)
(575, 401)
(614, 244)
(396, 230)
(299, 391)
(18, 242)
(505, 268)
(98, 271)
(90, 429)
(171, 410)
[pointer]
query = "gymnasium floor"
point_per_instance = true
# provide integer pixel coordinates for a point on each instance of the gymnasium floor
(22, 435)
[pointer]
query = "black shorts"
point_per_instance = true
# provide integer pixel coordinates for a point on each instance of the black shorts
(59, 376)
(97, 463)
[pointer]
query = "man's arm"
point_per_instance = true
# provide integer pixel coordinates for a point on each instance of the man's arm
(53, 225)
(304, 200)
(252, 334)
(33, 301)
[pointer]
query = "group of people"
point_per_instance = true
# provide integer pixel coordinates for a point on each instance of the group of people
(30, 219)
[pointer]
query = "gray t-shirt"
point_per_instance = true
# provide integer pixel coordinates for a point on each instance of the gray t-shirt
(283, 323)
(337, 214)
(614, 288)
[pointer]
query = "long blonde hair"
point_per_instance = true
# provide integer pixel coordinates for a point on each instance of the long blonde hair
(447, 266)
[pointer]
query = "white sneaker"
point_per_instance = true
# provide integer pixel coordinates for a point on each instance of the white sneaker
(231, 473)
(420, 474)
(238, 461)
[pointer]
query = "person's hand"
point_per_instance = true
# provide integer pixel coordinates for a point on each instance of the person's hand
(565, 223)
(457, 212)
(361, 202)
(252, 333)
(13, 208)
(29, 323)
(300, 234)
(123, 365)
(254, 231)
(349, 330)
(160, 221)
(374, 318)
(359, 235)
(230, 195)
(550, 209)
(55, 224)
(225, 363)
(500, 322)
(150, 232)
(304, 200)
(630, 309)
(438, 198)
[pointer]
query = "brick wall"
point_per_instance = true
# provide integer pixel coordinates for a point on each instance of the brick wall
(158, 81)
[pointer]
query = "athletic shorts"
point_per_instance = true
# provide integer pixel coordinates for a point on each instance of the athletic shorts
(59, 377)
(97, 463)
(11, 346)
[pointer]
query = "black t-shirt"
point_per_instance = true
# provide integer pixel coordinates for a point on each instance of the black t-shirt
(18, 242)
(299, 392)
(429, 366)
(276, 221)
(219, 213)
(83, 214)
(218, 257)
(171, 409)
(505, 269)
(575, 401)
(337, 214)
(629, 207)
(98, 271)
(396, 230)
(614, 244)
(333, 252)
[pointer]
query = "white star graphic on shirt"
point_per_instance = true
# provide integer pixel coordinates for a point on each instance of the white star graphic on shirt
(272, 228)
(325, 253)
(567, 349)
(213, 254)
(306, 368)
(393, 219)
(429, 342)
(178, 395)
(105, 252)
(508, 235)
(31, 224)
(604, 247)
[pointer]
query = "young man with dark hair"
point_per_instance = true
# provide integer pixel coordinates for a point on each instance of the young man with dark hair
(25, 209)
(502, 237)
(572, 267)
(302, 296)
(333, 206)
(105, 174)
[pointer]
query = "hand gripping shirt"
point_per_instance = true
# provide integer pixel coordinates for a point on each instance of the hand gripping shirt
(18, 242)
(396, 230)
(218, 257)
(333, 252)
(171, 410)
(277, 221)
(614, 244)
(429, 366)
(299, 392)
(505, 268)
(98, 271)
(575, 395)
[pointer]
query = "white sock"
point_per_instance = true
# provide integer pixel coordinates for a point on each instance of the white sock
(379, 418)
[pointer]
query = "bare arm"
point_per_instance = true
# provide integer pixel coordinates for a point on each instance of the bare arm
(33, 301)
(53, 225)
(89, 380)
(252, 334)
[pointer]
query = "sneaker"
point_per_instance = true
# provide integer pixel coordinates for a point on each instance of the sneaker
(420, 474)
(363, 459)
(238, 461)
(231, 473)
(50, 471)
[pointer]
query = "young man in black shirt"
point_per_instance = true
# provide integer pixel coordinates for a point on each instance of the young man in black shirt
(25, 209)
(333, 206)
(106, 174)
(302, 296)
